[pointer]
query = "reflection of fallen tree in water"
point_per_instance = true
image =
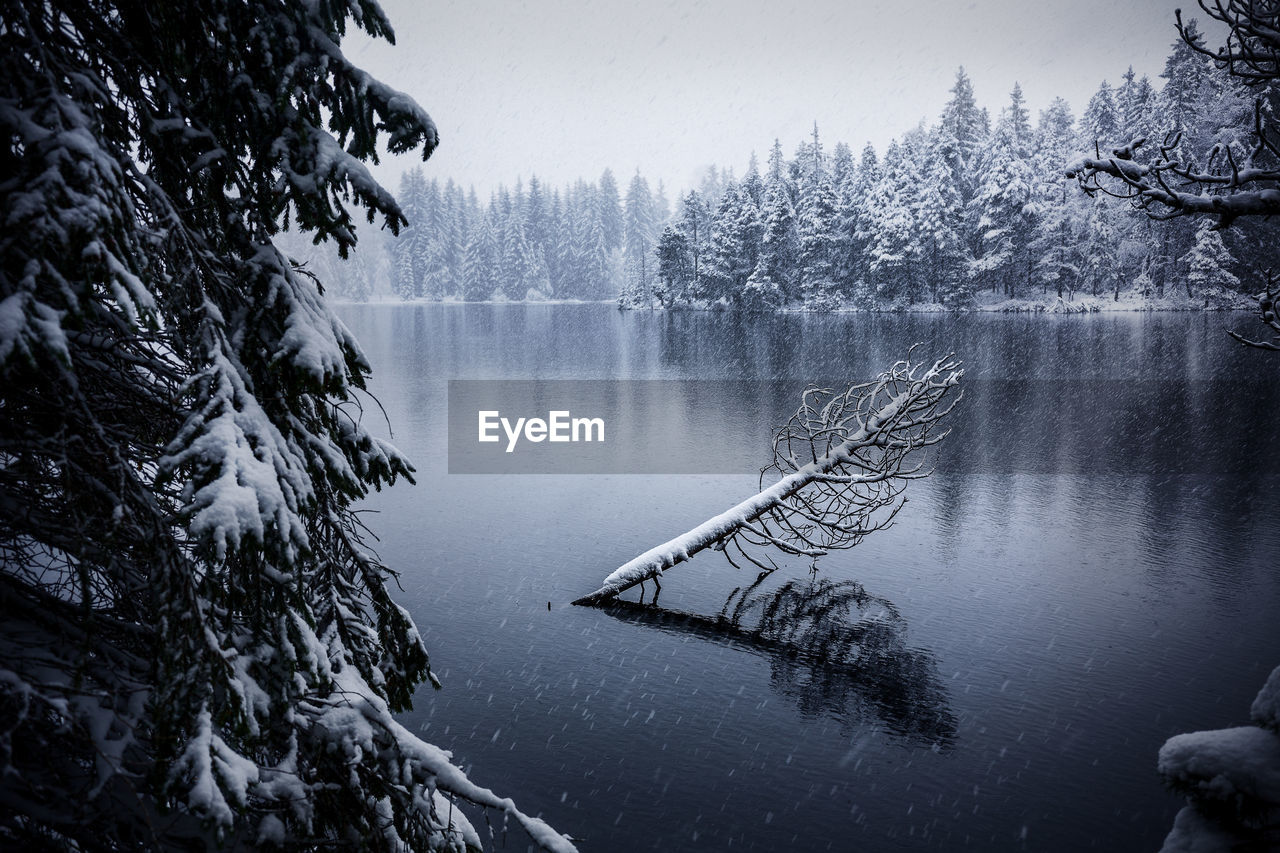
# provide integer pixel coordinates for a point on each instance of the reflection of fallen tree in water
(834, 649)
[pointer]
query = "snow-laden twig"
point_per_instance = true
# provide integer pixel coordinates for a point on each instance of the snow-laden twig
(843, 460)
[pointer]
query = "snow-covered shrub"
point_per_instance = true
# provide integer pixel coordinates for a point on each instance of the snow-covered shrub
(1232, 781)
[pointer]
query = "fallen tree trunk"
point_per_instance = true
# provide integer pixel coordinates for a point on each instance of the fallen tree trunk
(859, 445)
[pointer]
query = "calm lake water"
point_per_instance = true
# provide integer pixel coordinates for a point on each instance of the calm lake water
(1091, 569)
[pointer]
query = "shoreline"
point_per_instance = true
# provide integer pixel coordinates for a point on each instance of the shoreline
(1066, 309)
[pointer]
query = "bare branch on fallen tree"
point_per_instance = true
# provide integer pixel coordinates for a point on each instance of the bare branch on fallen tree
(843, 460)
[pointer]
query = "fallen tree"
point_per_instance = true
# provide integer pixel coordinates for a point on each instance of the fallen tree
(843, 460)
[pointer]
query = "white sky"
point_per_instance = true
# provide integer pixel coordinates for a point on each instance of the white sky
(566, 89)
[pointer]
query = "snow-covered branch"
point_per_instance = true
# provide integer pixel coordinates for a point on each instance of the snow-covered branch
(842, 459)
(1235, 183)
(1168, 187)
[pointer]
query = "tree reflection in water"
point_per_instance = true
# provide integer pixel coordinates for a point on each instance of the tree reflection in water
(834, 649)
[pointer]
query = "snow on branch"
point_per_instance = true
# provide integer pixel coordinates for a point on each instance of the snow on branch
(1171, 187)
(354, 721)
(1235, 183)
(843, 460)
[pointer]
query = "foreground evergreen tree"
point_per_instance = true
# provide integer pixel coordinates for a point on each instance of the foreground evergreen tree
(195, 646)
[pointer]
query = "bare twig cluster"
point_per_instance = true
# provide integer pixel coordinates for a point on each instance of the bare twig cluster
(842, 461)
(1267, 313)
(1252, 51)
(836, 510)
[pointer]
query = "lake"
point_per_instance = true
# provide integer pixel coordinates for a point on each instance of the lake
(1090, 570)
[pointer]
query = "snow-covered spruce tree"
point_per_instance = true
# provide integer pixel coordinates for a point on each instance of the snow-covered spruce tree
(194, 643)
(515, 256)
(638, 235)
(1209, 263)
(735, 246)
(1101, 119)
(410, 247)
(608, 207)
(771, 280)
(939, 218)
(674, 261)
(1052, 247)
(890, 247)
(1006, 208)
(968, 125)
(816, 225)
(695, 224)
(480, 261)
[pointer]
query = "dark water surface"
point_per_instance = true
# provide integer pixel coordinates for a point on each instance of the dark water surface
(1091, 570)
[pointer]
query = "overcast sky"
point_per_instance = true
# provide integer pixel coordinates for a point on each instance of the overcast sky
(565, 89)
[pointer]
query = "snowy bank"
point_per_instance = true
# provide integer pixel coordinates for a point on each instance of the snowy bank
(1232, 781)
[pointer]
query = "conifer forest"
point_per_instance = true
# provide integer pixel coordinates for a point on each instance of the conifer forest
(969, 209)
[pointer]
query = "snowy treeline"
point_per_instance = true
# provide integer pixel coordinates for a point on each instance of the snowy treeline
(968, 206)
(968, 209)
(528, 242)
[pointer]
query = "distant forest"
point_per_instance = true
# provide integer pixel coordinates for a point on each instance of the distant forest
(967, 211)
